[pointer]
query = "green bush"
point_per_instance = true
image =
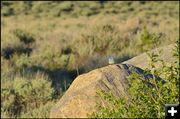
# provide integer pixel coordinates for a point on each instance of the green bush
(112, 107)
(148, 40)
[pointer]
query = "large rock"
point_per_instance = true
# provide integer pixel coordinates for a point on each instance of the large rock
(80, 99)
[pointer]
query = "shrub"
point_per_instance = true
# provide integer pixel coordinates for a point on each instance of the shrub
(18, 49)
(66, 6)
(22, 7)
(25, 94)
(39, 7)
(15, 46)
(148, 40)
(39, 87)
(7, 52)
(52, 55)
(21, 61)
(11, 103)
(7, 11)
(112, 108)
(41, 111)
(100, 40)
(24, 36)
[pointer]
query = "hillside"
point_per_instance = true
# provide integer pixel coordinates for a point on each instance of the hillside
(46, 45)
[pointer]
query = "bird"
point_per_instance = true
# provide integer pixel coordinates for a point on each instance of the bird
(110, 60)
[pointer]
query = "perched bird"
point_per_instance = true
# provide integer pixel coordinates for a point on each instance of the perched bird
(111, 60)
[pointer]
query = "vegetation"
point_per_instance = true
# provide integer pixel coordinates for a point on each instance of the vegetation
(46, 44)
(24, 94)
(145, 100)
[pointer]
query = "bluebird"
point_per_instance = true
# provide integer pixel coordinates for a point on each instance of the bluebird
(111, 60)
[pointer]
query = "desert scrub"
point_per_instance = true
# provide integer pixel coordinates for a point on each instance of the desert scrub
(7, 11)
(148, 40)
(21, 45)
(41, 111)
(24, 36)
(52, 21)
(25, 93)
(21, 61)
(52, 55)
(102, 40)
(147, 97)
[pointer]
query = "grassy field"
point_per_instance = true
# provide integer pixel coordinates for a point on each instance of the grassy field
(45, 45)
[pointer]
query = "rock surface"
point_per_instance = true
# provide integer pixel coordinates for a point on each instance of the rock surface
(142, 60)
(80, 99)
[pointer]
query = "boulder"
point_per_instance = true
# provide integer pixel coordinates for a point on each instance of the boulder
(80, 99)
